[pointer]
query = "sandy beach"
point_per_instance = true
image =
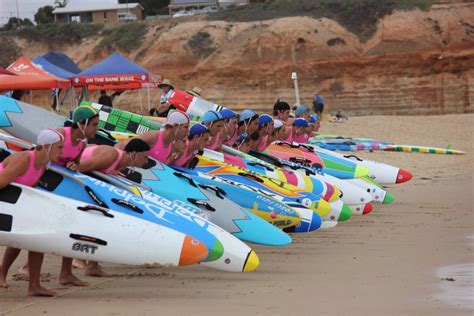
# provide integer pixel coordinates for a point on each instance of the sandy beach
(394, 261)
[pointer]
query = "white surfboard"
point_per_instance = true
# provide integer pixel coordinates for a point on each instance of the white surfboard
(40, 221)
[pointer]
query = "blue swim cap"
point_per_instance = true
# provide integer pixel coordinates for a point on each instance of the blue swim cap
(197, 130)
(264, 119)
(211, 116)
(246, 114)
(300, 110)
(227, 114)
(313, 118)
(300, 122)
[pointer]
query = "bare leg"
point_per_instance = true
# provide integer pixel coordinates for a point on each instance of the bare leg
(35, 260)
(66, 277)
(24, 269)
(8, 258)
(94, 269)
(80, 264)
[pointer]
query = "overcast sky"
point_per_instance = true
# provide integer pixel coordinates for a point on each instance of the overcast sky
(27, 8)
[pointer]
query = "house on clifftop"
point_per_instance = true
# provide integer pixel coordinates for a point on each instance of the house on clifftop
(104, 11)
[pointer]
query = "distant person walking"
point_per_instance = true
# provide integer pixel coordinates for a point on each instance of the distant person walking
(108, 100)
(318, 104)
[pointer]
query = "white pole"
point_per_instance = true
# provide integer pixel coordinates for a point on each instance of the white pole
(148, 94)
(57, 100)
(294, 77)
(141, 105)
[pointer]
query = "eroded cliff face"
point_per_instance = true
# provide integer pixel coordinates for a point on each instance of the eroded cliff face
(416, 63)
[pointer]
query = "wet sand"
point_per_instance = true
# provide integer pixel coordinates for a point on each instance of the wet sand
(390, 262)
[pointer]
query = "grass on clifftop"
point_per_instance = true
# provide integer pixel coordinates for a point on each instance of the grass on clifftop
(358, 16)
(59, 33)
(126, 37)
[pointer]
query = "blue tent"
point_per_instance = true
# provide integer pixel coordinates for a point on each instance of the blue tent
(114, 70)
(63, 61)
(52, 69)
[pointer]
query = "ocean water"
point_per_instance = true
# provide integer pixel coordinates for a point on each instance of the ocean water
(460, 292)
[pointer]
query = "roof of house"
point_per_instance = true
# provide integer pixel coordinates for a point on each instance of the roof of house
(191, 2)
(74, 6)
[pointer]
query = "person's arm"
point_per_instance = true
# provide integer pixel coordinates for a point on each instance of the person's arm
(14, 168)
(102, 160)
(148, 137)
(116, 94)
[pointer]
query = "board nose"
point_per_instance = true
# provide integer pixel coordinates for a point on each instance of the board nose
(192, 251)
(403, 176)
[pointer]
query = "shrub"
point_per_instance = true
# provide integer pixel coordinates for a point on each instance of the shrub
(127, 37)
(60, 33)
(201, 44)
(9, 51)
(336, 41)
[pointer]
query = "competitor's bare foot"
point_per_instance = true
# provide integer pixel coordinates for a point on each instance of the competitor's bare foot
(3, 283)
(96, 271)
(24, 269)
(80, 264)
(71, 279)
(40, 291)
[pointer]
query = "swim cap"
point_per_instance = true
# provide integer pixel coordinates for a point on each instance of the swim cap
(197, 130)
(300, 122)
(48, 137)
(300, 110)
(264, 119)
(83, 112)
(211, 116)
(246, 115)
(227, 114)
(313, 118)
(136, 145)
(277, 123)
(177, 117)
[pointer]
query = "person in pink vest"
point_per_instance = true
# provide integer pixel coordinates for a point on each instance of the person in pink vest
(298, 130)
(198, 139)
(85, 125)
(162, 142)
(246, 142)
(265, 129)
(26, 168)
(281, 111)
(110, 160)
(230, 125)
(214, 121)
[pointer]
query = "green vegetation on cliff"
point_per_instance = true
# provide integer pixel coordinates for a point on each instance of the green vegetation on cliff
(358, 16)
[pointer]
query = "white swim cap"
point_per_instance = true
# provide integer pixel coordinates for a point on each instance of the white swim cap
(277, 123)
(49, 137)
(177, 117)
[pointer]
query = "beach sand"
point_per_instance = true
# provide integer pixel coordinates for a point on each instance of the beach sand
(386, 263)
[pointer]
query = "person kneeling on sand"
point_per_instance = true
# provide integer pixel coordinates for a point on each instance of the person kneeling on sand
(230, 124)
(110, 160)
(265, 129)
(246, 142)
(85, 124)
(281, 111)
(26, 168)
(198, 139)
(215, 123)
(162, 142)
(247, 123)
